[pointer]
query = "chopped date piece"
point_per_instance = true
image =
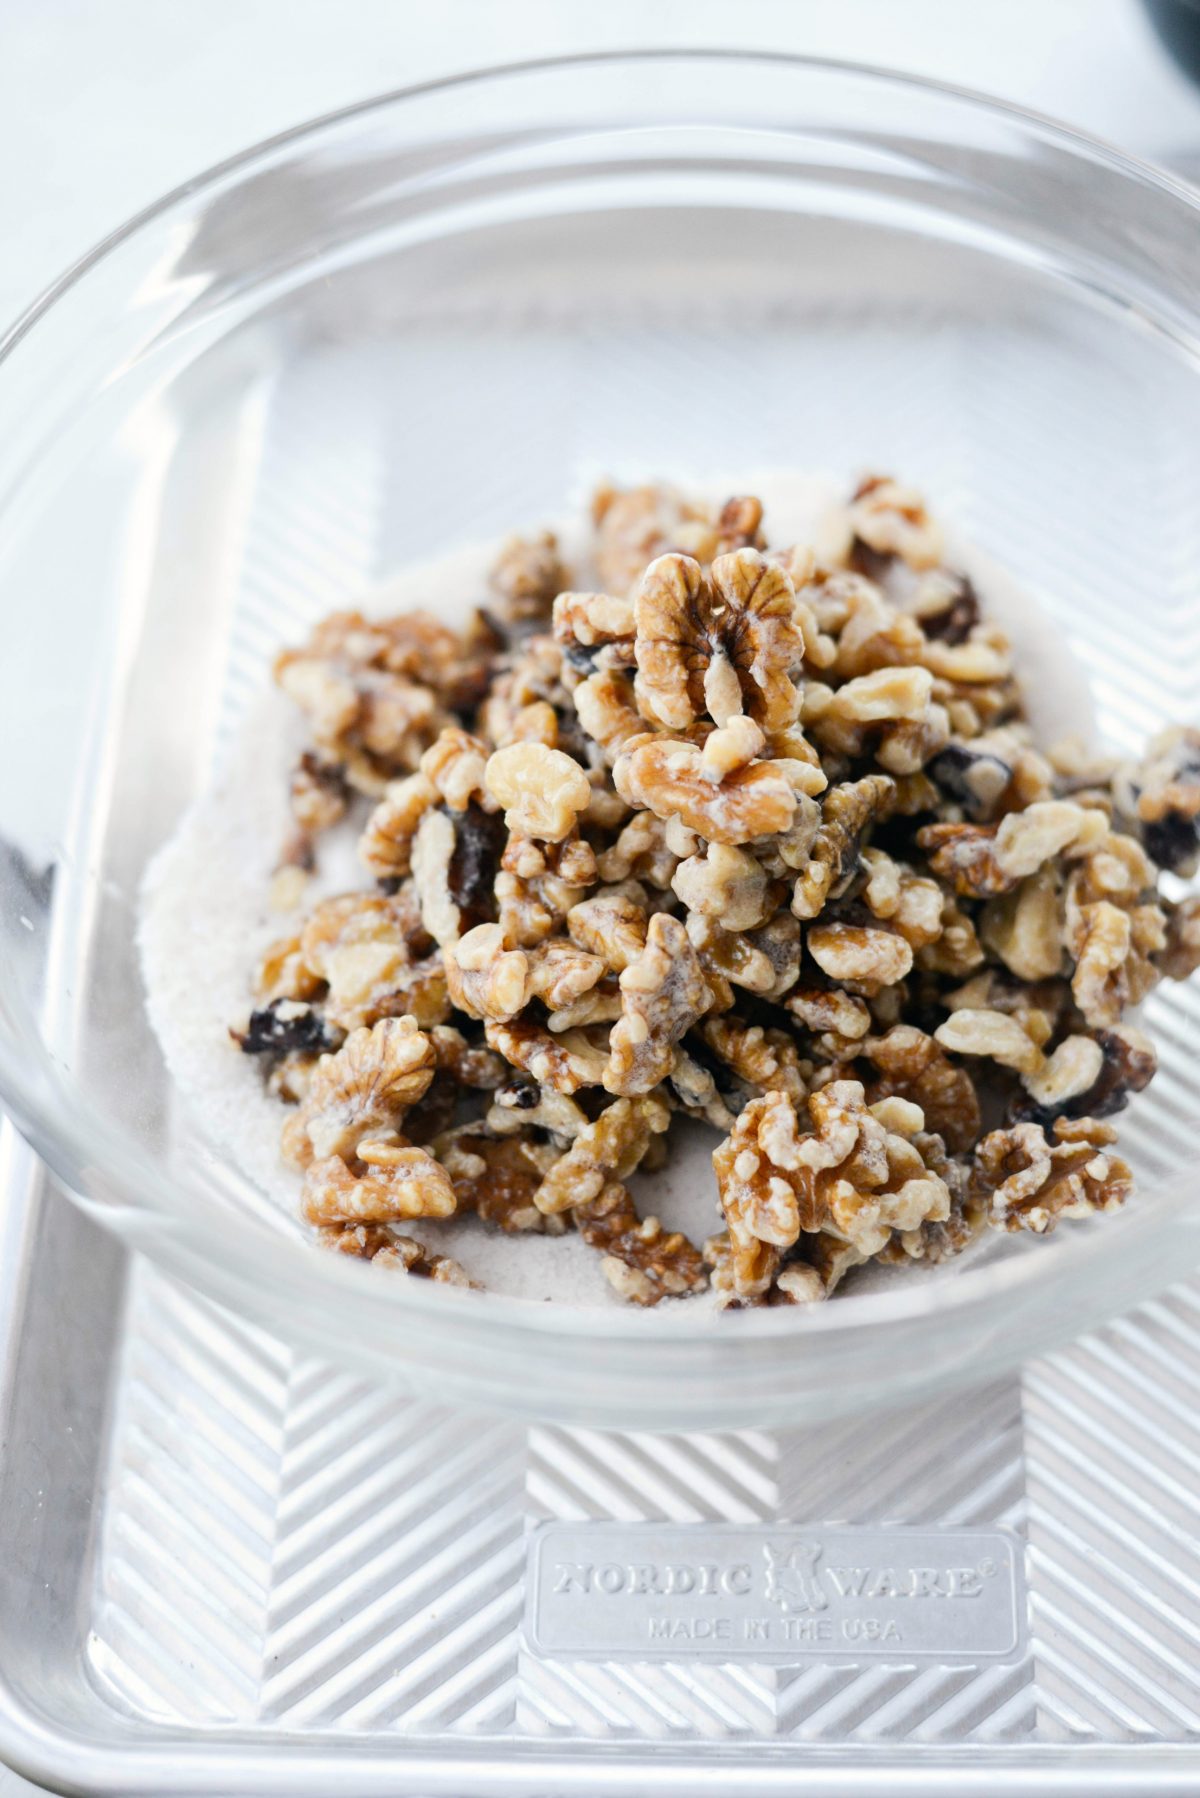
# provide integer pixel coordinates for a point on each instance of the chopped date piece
(283, 1026)
(479, 839)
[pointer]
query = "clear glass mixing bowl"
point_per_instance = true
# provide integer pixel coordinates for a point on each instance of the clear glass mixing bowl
(431, 316)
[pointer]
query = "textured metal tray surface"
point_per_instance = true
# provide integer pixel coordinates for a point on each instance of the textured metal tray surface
(229, 1562)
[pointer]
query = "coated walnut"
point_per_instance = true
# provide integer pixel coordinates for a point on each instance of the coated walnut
(526, 576)
(386, 1247)
(810, 1272)
(641, 852)
(663, 992)
(912, 1065)
(669, 777)
(283, 973)
(933, 1243)
(982, 860)
(994, 1034)
(386, 844)
(765, 961)
(537, 886)
(565, 1059)
(761, 1059)
(727, 884)
(982, 657)
(873, 633)
(891, 519)
(609, 1149)
(610, 925)
(717, 643)
(847, 811)
(496, 1177)
(606, 710)
(366, 717)
(956, 951)
(388, 1183)
(361, 945)
(1025, 927)
(560, 972)
(364, 1088)
(829, 1011)
(532, 672)
(694, 1088)
(1113, 928)
(596, 630)
(856, 1172)
(636, 524)
(889, 713)
(855, 952)
(1029, 1181)
(485, 977)
(642, 1262)
(541, 790)
(1180, 956)
(908, 903)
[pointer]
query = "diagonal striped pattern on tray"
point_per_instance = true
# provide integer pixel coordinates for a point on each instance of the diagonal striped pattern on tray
(951, 1462)
(1114, 1527)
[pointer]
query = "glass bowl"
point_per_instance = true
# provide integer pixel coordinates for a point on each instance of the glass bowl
(431, 317)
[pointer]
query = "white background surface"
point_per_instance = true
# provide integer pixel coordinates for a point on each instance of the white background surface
(105, 106)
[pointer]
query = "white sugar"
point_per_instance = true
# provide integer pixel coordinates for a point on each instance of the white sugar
(205, 919)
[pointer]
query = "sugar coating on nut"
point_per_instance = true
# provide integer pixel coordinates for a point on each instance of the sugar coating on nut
(365, 1088)
(386, 1247)
(717, 642)
(663, 992)
(641, 1261)
(542, 790)
(387, 1183)
(611, 1148)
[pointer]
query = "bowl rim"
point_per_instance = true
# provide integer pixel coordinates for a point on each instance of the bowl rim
(1100, 148)
(296, 1268)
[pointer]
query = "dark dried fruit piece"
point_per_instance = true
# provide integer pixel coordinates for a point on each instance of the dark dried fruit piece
(954, 621)
(479, 839)
(283, 1026)
(972, 778)
(1160, 798)
(1129, 1065)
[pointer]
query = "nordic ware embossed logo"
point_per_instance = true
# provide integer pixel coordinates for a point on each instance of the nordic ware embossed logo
(839, 1594)
(792, 1581)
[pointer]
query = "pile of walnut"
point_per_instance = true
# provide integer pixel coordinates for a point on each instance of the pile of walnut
(751, 836)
